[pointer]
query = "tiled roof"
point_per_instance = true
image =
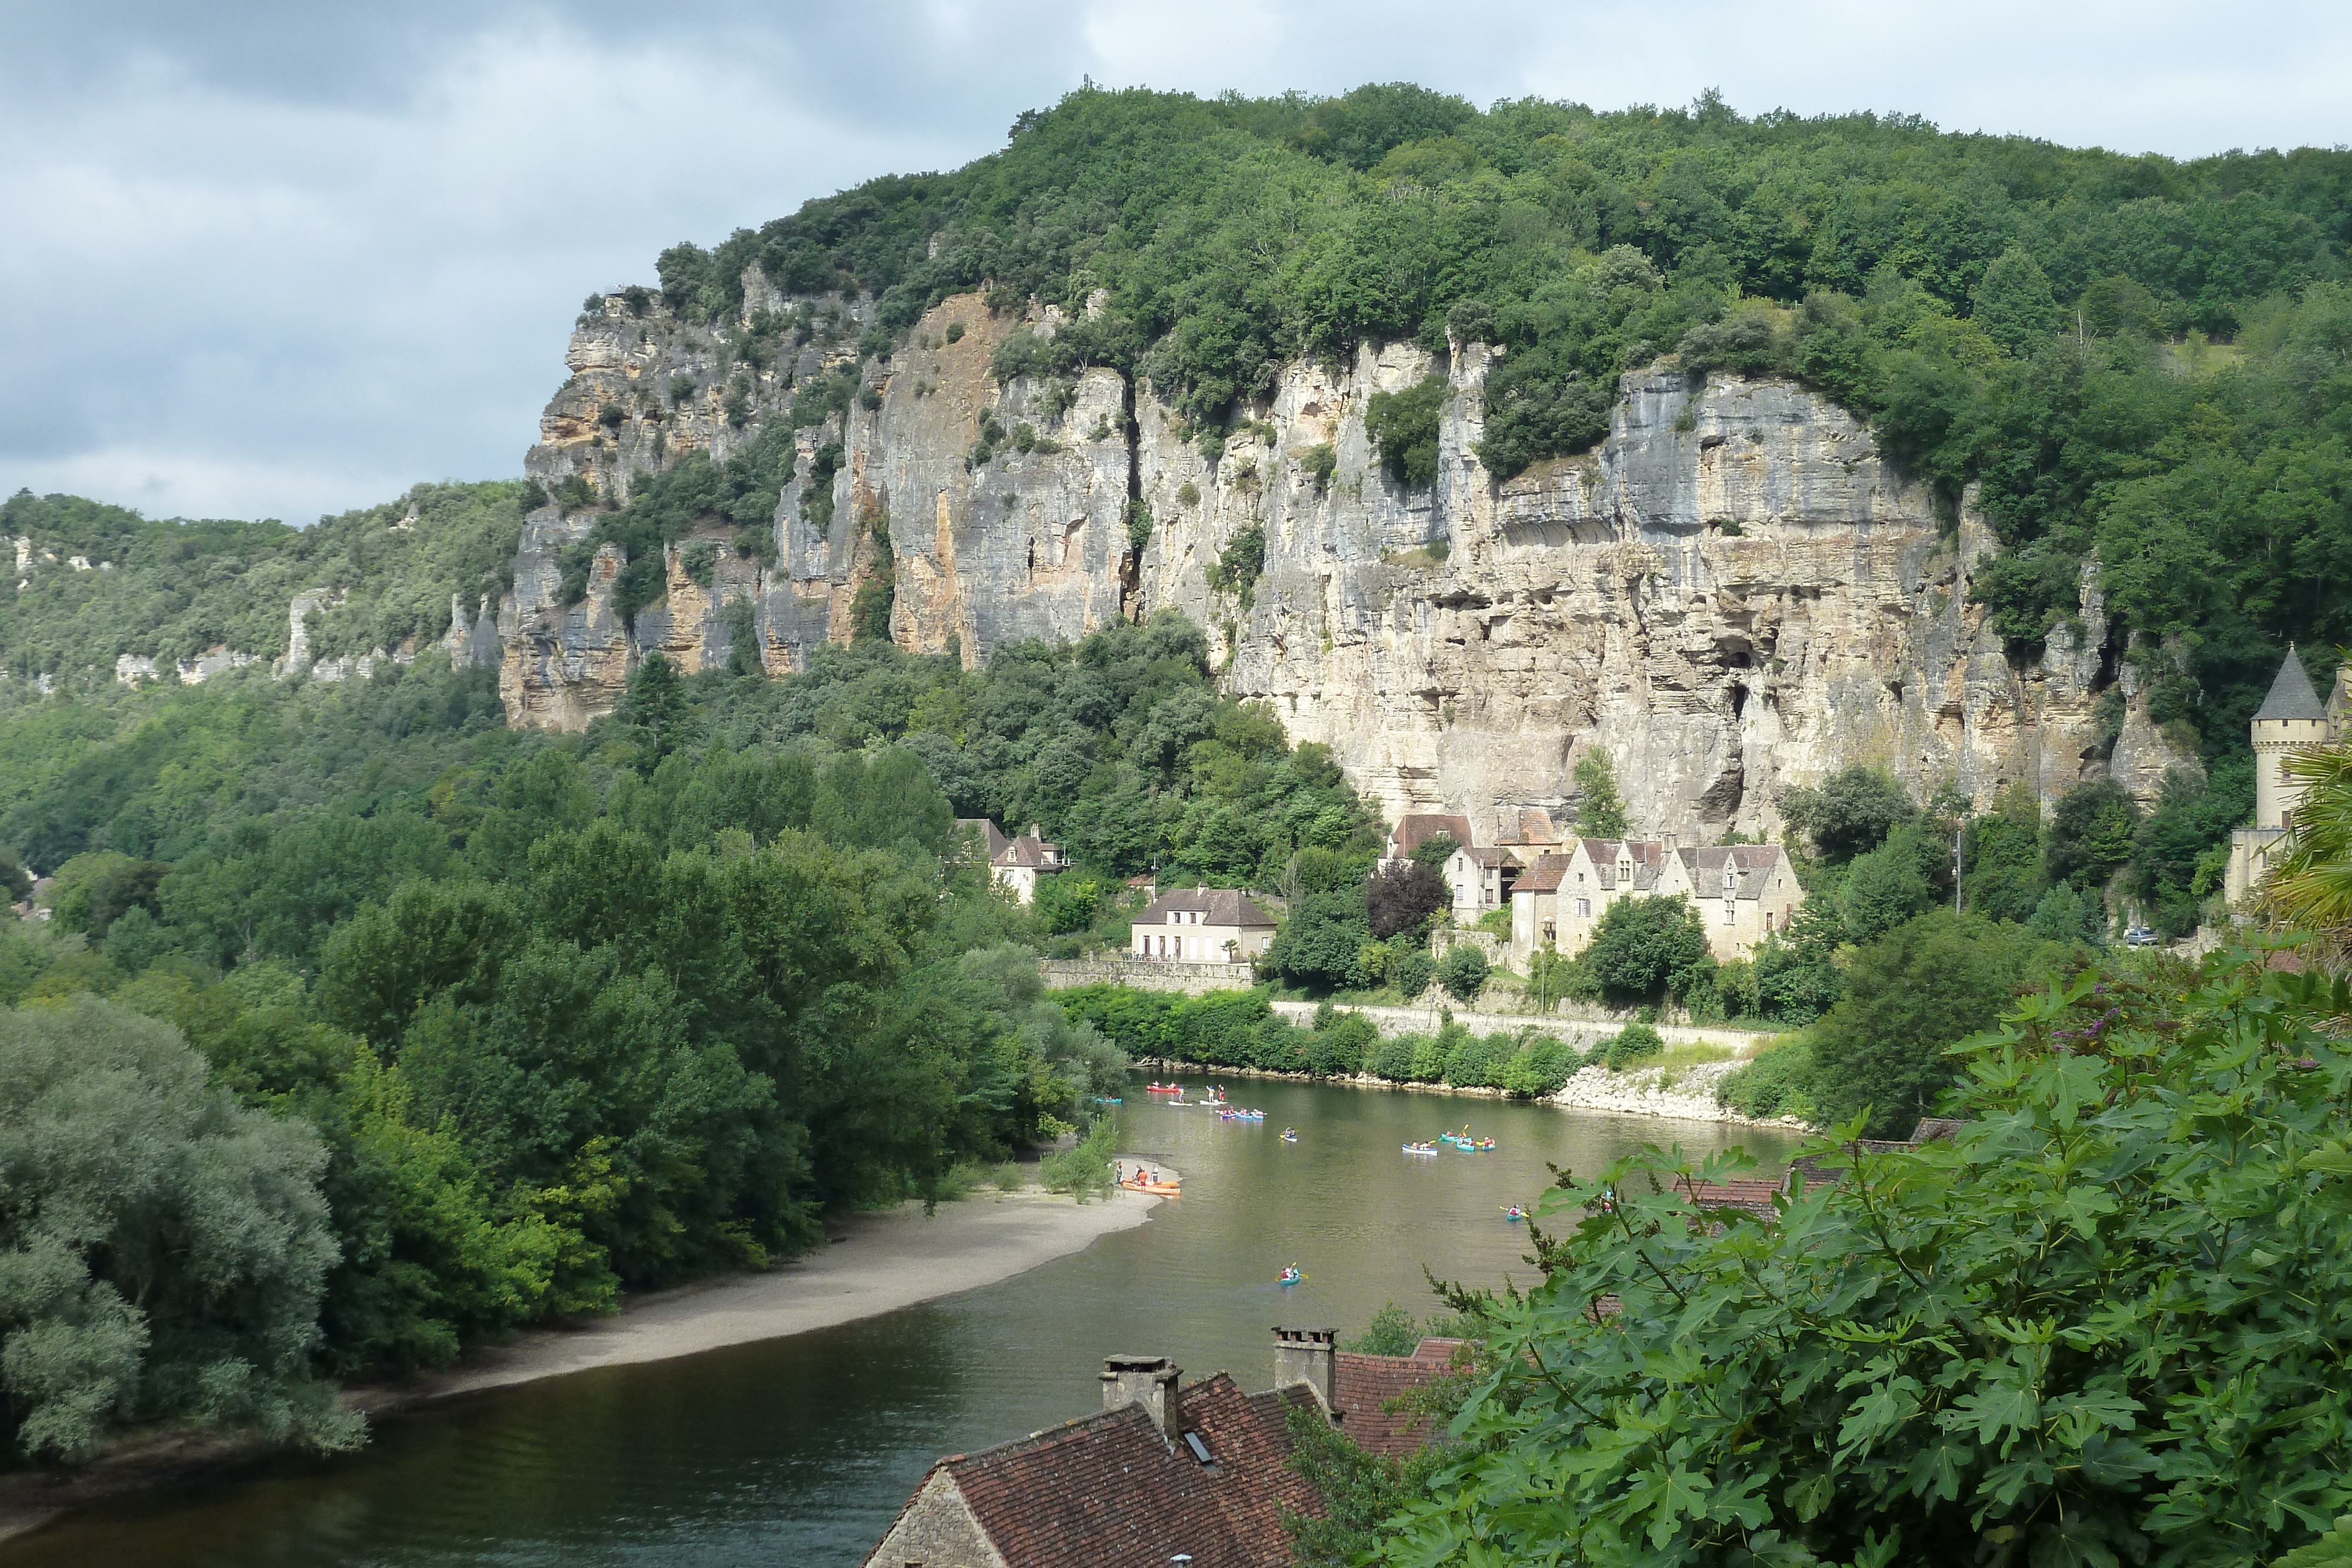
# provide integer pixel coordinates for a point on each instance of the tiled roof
(1533, 826)
(1415, 829)
(1216, 907)
(992, 840)
(2291, 693)
(1110, 1491)
(1029, 850)
(1489, 856)
(1543, 876)
(1362, 1384)
(1750, 867)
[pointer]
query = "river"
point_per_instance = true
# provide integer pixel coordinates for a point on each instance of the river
(799, 1451)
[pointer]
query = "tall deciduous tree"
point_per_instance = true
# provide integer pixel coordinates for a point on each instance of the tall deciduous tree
(162, 1251)
(1601, 812)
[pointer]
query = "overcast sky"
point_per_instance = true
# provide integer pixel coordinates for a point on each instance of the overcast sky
(285, 257)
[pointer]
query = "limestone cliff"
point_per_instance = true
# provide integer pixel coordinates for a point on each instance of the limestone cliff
(1732, 593)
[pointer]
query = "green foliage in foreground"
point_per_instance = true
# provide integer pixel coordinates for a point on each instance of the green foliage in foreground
(2105, 1322)
(163, 1249)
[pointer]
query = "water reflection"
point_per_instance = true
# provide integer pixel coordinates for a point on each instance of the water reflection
(800, 1450)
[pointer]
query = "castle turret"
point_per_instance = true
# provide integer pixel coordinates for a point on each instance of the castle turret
(2290, 719)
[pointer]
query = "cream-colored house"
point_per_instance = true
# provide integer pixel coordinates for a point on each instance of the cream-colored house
(1204, 925)
(1016, 864)
(1740, 891)
(2289, 719)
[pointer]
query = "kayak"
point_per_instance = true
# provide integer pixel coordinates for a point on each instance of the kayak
(1289, 1136)
(1157, 1188)
(1163, 1089)
(1419, 1148)
(1482, 1146)
(1515, 1212)
(1291, 1275)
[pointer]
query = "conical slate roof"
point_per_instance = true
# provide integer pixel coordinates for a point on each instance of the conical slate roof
(2291, 693)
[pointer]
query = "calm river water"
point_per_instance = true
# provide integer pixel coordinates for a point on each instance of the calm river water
(799, 1451)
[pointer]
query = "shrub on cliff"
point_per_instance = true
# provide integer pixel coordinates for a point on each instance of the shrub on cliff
(2101, 1323)
(1404, 425)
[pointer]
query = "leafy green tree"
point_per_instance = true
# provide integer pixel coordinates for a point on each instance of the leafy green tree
(2091, 835)
(2065, 915)
(1600, 811)
(1643, 945)
(655, 706)
(1871, 1392)
(1464, 970)
(166, 1248)
(1883, 887)
(1908, 996)
(1404, 425)
(93, 890)
(1853, 810)
(2012, 302)
(2000, 854)
(1319, 939)
(1797, 973)
(1411, 972)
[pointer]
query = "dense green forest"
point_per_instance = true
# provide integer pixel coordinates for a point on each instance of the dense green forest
(513, 1021)
(170, 591)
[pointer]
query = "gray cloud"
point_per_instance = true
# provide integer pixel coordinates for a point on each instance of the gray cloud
(265, 259)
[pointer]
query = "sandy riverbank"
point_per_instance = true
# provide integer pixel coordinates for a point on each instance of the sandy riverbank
(877, 1263)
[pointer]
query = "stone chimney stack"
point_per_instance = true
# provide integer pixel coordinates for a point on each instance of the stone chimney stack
(1305, 1355)
(1149, 1381)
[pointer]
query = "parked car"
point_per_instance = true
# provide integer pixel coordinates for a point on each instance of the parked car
(2141, 936)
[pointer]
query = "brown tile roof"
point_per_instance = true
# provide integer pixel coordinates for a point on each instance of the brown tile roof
(1543, 876)
(1110, 1492)
(1215, 905)
(1415, 829)
(1534, 826)
(1362, 1384)
(1030, 851)
(1489, 856)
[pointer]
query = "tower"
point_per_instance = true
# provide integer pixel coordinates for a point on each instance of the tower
(2290, 719)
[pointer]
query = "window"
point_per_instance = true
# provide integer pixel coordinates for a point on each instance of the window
(1730, 911)
(1584, 909)
(1551, 932)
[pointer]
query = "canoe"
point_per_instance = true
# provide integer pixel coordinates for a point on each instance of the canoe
(1157, 1188)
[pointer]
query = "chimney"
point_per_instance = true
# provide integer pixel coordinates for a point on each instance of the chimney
(1673, 841)
(1145, 1380)
(1305, 1355)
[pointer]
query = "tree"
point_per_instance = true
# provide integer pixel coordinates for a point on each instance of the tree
(1601, 814)
(655, 706)
(2091, 835)
(1434, 851)
(1644, 946)
(1398, 898)
(1852, 811)
(1883, 887)
(1787, 1383)
(2012, 302)
(161, 1248)
(2065, 915)
(1320, 940)
(2001, 856)
(1908, 996)
(1464, 970)
(1796, 971)
(1404, 425)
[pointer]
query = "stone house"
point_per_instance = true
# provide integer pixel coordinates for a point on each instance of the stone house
(1204, 925)
(2291, 719)
(1741, 892)
(1016, 863)
(1165, 1472)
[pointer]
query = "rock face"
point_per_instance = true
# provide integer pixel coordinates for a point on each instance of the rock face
(1731, 595)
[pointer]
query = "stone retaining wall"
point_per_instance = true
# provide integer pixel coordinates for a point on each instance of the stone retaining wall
(1392, 1021)
(1146, 975)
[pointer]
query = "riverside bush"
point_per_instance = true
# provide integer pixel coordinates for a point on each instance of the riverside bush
(1629, 1046)
(2103, 1323)
(1777, 1082)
